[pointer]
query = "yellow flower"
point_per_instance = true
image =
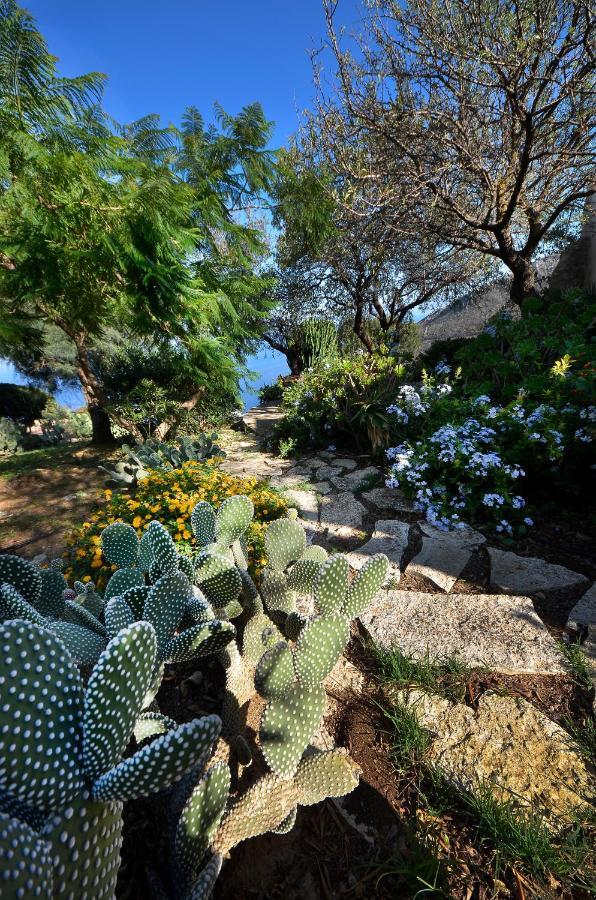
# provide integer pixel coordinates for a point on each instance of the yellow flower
(86, 578)
(96, 563)
(137, 522)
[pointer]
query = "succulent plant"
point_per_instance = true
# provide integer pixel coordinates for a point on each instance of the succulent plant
(154, 454)
(62, 779)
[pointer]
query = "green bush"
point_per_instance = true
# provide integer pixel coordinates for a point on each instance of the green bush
(24, 405)
(343, 401)
(271, 393)
(11, 439)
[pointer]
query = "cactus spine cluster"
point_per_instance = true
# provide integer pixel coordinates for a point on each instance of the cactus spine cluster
(66, 762)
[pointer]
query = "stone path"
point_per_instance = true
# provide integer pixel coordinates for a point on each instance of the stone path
(343, 505)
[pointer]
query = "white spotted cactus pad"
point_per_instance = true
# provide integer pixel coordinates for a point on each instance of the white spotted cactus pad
(83, 644)
(331, 584)
(79, 615)
(202, 522)
(200, 818)
(285, 542)
(51, 600)
(85, 839)
(121, 581)
(14, 606)
(161, 763)
(163, 548)
(118, 615)
(114, 696)
(274, 674)
(217, 577)
(150, 725)
(25, 859)
(232, 519)
(366, 585)
(301, 577)
(120, 544)
(319, 647)
(42, 702)
(25, 576)
(199, 640)
(328, 774)
(287, 725)
(165, 605)
(203, 887)
(135, 598)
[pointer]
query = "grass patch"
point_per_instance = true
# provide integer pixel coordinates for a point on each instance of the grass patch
(44, 457)
(577, 662)
(509, 838)
(585, 737)
(448, 678)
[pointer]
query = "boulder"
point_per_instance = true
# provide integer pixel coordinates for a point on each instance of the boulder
(512, 574)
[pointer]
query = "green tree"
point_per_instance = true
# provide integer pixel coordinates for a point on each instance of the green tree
(136, 230)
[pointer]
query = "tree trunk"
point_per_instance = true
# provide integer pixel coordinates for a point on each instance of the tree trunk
(100, 421)
(295, 363)
(359, 328)
(523, 283)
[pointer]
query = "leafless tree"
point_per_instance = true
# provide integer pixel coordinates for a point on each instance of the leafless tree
(478, 118)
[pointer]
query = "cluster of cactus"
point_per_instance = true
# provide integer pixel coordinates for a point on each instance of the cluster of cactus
(154, 454)
(62, 777)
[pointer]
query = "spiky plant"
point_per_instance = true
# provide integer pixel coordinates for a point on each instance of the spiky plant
(62, 777)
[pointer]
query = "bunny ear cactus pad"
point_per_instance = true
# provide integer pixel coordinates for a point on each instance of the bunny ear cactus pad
(114, 696)
(163, 547)
(44, 712)
(135, 598)
(314, 551)
(203, 887)
(217, 577)
(199, 640)
(302, 575)
(120, 544)
(80, 615)
(186, 567)
(288, 823)
(331, 585)
(328, 774)
(85, 840)
(118, 615)
(161, 763)
(202, 522)
(287, 726)
(274, 674)
(14, 606)
(319, 647)
(233, 518)
(122, 580)
(150, 725)
(23, 575)
(200, 818)
(165, 605)
(145, 552)
(53, 585)
(285, 541)
(83, 644)
(26, 861)
(366, 585)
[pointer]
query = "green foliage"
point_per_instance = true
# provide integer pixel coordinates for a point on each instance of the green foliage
(344, 400)
(10, 438)
(154, 454)
(271, 393)
(24, 405)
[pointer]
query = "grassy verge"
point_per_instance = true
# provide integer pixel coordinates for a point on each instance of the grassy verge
(448, 678)
(465, 830)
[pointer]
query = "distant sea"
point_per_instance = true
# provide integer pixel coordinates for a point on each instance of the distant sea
(265, 366)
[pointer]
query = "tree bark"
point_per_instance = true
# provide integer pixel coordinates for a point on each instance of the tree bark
(523, 283)
(101, 431)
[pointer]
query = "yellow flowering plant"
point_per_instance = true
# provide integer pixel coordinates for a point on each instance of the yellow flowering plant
(169, 497)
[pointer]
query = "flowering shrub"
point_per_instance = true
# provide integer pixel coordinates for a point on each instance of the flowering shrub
(471, 469)
(343, 400)
(170, 496)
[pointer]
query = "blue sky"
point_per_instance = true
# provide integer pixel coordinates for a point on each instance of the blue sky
(162, 56)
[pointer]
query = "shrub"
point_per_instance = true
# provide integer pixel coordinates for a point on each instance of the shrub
(24, 405)
(10, 437)
(343, 401)
(271, 393)
(155, 454)
(170, 497)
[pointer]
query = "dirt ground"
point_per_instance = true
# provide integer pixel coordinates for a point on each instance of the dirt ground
(42, 495)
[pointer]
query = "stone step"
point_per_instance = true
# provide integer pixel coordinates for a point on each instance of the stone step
(512, 574)
(444, 555)
(501, 633)
(507, 743)
(389, 537)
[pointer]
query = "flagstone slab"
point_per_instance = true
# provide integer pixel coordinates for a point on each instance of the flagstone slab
(306, 502)
(507, 743)
(581, 624)
(444, 555)
(388, 500)
(389, 537)
(514, 574)
(343, 516)
(501, 633)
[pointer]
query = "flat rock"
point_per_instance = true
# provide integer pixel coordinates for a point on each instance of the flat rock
(328, 472)
(388, 500)
(582, 624)
(389, 537)
(301, 470)
(510, 744)
(503, 634)
(514, 574)
(356, 479)
(322, 487)
(342, 515)
(345, 463)
(306, 503)
(286, 482)
(444, 555)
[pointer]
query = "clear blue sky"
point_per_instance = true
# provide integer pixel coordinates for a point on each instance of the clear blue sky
(162, 56)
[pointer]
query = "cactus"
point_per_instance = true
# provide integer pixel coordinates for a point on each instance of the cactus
(64, 759)
(155, 454)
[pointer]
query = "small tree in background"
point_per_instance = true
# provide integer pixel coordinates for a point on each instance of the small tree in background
(478, 119)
